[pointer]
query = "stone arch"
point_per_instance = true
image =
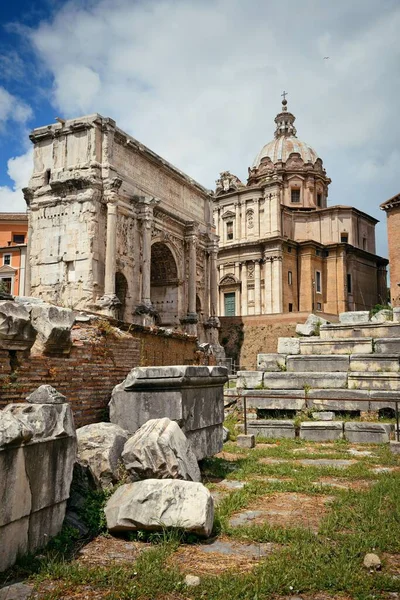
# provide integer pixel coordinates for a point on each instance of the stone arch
(121, 291)
(164, 282)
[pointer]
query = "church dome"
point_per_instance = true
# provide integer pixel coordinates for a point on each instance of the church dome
(285, 142)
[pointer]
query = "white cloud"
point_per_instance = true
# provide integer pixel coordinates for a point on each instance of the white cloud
(12, 108)
(19, 169)
(200, 82)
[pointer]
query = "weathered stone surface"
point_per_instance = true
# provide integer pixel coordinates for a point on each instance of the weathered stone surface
(302, 380)
(336, 399)
(100, 447)
(323, 415)
(317, 363)
(396, 314)
(339, 331)
(272, 428)
(372, 561)
(192, 396)
(246, 440)
(44, 420)
(12, 430)
(395, 447)
(321, 431)
(374, 381)
(226, 434)
(372, 433)
(192, 580)
(154, 504)
(275, 399)
(311, 326)
(382, 315)
(249, 380)
(16, 331)
(160, 450)
(287, 345)
(16, 591)
(375, 362)
(338, 346)
(354, 317)
(271, 362)
(46, 394)
(53, 325)
(387, 345)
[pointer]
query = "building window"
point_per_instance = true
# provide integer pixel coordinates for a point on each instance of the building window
(290, 277)
(344, 238)
(6, 283)
(229, 230)
(318, 282)
(7, 259)
(349, 284)
(295, 195)
(319, 199)
(319, 306)
(364, 243)
(290, 307)
(230, 308)
(289, 249)
(18, 238)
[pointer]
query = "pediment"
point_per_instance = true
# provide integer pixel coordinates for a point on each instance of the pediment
(228, 215)
(7, 270)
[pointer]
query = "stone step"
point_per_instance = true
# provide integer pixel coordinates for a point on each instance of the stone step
(271, 362)
(321, 431)
(272, 428)
(338, 400)
(374, 381)
(375, 362)
(346, 346)
(303, 381)
(275, 399)
(370, 433)
(387, 345)
(335, 331)
(317, 363)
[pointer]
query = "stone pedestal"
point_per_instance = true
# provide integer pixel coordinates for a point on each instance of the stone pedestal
(192, 396)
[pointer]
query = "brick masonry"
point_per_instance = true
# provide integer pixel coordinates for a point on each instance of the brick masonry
(101, 357)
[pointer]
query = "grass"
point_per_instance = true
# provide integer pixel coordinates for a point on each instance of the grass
(325, 561)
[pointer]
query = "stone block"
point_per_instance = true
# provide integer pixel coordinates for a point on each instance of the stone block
(375, 330)
(374, 381)
(383, 399)
(317, 363)
(382, 315)
(206, 441)
(311, 326)
(288, 345)
(190, 395)
(45, 524)
(249, 380)
(160, 450)
(341, 400)
(301, 381)
(321, 431)
(46, 394)
(53, 325)
(396, 314)
(369, 433)
(323, 415)
(13, 430)
(354, 317)
(16, 591)
(44, 420)
(271, 362)
(375, 363)
(387, 345)
(100, 447)
(272, 428)
(16, 331)
(275, 399)
(157, 503)
(14, 542)
(246, 440)
(13, 477)
(395, 447)
(329, 347)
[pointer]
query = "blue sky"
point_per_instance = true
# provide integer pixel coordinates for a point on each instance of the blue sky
(199, 81)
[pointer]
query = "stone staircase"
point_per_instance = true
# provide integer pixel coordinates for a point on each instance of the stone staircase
(348, 367)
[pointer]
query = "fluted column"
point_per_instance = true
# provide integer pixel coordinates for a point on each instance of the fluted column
(111, 247)
(213, 281)
(267, 285)
(147, 222)
(243, 221)
(257, 288)
(277, 306)
(237, 221)
(27, 286)
(244, 289)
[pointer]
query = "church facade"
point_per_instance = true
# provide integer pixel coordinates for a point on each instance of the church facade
(281, 247)
(115, 228)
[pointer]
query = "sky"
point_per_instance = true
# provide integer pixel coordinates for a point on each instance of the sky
(200, 83)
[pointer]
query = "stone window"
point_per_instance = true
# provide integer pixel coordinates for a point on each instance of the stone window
(344, 238)
(319, 199)
(229, 230)
(318, 282)
(290, 307)
(364, 243)
(349, 284)
(319, 306)
(7, 259)
(295, 195)
(290, 278)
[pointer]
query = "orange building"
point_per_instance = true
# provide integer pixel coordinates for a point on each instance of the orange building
(392, 210)
(13, 250)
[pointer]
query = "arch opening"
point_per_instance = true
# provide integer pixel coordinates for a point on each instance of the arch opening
(164, 284)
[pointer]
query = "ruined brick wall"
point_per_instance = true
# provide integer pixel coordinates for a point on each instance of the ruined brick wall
(101, 357)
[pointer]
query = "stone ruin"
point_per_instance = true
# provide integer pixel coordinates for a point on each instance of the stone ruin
(352, 366)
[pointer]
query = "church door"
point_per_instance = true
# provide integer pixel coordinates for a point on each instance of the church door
(230, 307)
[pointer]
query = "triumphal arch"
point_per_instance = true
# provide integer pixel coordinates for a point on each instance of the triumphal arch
(115, 228)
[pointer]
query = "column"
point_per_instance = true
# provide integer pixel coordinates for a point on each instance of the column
(277, 284)
(237, 221)
(146, 217)
(192, 275)
(267, 286)
(111, 248)
(213, 281)
(27, 286)
(257, 288)
(244, 289)
(257, 218)
(243, 223)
